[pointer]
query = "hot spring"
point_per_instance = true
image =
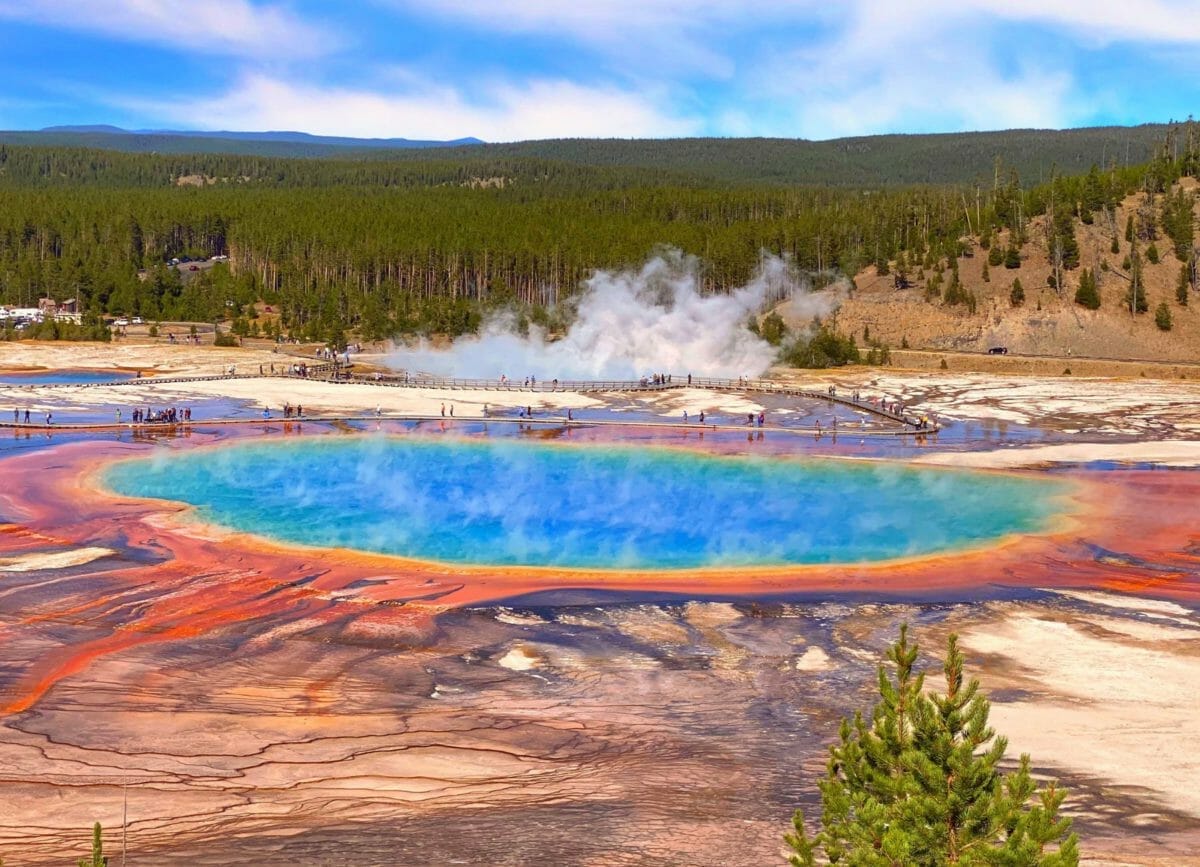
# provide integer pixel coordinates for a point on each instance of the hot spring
(586, 507)
(64, 377)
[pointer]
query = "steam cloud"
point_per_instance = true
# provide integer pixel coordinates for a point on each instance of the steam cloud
(630, 324)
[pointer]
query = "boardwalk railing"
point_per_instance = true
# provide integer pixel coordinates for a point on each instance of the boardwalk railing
(342, 373)
(760, 386)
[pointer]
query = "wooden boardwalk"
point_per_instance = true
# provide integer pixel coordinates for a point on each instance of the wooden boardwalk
(544, 422)
(341, 374)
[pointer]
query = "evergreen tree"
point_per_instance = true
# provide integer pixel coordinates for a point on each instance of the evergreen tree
(1017, 296)
(1178, 221)
(98, 858)
(1152, 254)
(919, 784)
(773, 330)
(1088, 294)
(1012, 257)
(1135, 297)
(1162, 316)
(1094, 196)
(1064, 248)
(1184, 284)
(1129, 229)
(1116, 246)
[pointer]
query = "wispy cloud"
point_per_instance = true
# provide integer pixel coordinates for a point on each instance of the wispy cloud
(509, 69)
(638, 36)
(501, 112)
(818, 69)
(224, 27)
(1157, 21)
(892, 69)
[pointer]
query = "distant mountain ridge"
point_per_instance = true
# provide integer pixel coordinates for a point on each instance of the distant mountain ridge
(288, 136)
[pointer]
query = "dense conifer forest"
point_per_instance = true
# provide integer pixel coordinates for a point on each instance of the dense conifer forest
(383, 246)
(944, 158)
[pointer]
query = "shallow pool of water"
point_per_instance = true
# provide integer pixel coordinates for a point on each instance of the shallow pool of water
(63, 377)
(517, 503)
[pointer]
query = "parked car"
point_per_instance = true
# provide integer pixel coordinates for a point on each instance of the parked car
(121, 323)
(998, 350)
(137, 320)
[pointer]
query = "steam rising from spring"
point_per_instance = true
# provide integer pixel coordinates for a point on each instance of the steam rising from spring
(629, 324)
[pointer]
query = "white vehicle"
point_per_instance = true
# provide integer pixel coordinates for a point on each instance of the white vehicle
(137, 320)
(121, 323)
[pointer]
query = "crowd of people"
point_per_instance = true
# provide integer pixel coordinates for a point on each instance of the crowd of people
(169, 415)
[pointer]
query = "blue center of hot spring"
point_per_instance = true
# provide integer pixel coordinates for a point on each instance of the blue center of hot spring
(513, 503)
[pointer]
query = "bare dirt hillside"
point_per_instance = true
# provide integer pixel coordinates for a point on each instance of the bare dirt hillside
(1049, 323)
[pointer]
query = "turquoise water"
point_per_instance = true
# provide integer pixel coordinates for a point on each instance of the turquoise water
(514, 503)
(63, 377)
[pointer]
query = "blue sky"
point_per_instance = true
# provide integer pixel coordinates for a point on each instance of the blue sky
(513, 69)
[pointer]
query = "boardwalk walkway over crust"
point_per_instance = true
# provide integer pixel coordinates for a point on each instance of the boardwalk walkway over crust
(343, 374)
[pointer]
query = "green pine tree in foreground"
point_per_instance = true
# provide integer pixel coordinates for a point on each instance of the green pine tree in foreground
(98, 858)
(919, 784)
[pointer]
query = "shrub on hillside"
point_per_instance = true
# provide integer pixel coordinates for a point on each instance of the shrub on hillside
(1088, 294)
(1017, 296)
(1162, 317)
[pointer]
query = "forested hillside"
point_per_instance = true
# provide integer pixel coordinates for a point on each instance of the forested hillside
(384, 247)
(950, 158)
(868, 161)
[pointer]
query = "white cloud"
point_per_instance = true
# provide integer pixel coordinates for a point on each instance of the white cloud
(1161, 21)
(820, 70)
(638, 36)
(228, 27)
(808, 68)
(505, 112)
(892, 68)
(619, 20)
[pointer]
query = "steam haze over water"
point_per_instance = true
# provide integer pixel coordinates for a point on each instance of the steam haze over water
(508, 503)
